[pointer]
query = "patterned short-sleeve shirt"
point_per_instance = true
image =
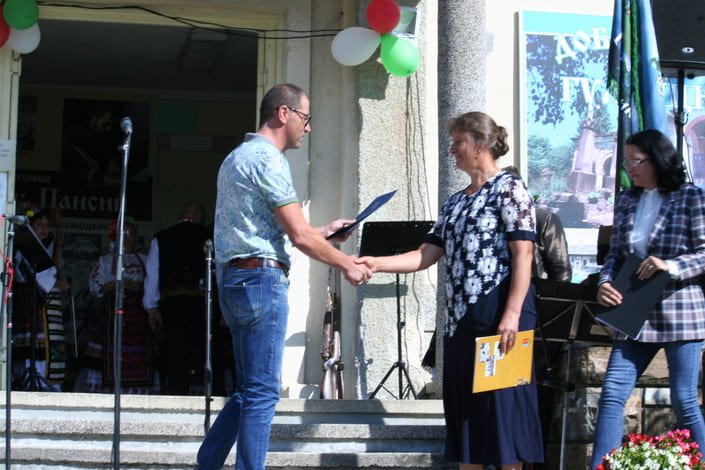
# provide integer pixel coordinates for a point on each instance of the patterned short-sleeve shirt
(474, 230)
(253, 180)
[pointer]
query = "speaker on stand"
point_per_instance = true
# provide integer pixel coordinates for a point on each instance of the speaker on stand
(679, 26)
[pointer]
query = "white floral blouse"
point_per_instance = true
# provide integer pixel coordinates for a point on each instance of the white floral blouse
(474, 230)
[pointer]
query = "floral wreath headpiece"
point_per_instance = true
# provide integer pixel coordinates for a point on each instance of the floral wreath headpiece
(112, 229)
(32, 214)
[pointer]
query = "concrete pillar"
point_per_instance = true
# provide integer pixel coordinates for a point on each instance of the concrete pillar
(462, 54)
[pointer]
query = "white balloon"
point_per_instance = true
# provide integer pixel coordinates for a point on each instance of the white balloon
(353, 46)
(24, 41)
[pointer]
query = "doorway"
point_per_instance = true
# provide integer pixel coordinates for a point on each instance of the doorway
(191, 95)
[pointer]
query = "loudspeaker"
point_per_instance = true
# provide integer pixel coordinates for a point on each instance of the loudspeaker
(680, 34)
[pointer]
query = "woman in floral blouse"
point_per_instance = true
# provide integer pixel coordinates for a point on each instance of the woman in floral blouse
(486, 232)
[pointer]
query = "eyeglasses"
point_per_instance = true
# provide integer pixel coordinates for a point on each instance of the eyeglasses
(634, 163)
(305, 117)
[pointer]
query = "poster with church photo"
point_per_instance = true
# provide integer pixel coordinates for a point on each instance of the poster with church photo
(570, 124)
(569, 132)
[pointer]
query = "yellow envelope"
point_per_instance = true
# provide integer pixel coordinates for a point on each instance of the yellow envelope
(494, 370)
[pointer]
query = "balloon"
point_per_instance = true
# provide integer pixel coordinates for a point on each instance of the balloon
(353, 46)
(399, 55)
(4, 30)
(24, 41)
(383, 15)
(21, 14)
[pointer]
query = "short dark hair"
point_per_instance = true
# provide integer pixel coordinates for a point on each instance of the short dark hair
(483, 129)
(283, 94)
(668, 165)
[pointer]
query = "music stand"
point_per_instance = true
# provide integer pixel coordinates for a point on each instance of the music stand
(561, 307)
(393, 238)
(35, 259)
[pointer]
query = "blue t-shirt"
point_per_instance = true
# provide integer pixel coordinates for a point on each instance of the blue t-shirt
(253, 180)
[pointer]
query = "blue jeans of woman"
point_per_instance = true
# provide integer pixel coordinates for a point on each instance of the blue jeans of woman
(255, 307)
(627, 362)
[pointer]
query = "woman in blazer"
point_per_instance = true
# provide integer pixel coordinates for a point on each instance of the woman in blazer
(662, 220)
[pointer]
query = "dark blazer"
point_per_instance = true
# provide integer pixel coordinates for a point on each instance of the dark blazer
(678, 235)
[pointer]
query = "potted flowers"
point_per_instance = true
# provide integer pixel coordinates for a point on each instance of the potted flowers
(673, 450)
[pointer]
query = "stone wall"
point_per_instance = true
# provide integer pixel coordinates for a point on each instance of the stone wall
(647, 411)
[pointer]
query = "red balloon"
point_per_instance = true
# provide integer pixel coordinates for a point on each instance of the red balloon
(4, 29)
(383, 15)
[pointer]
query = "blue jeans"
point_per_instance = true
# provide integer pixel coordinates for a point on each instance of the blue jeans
(627, 362)
(255, 307)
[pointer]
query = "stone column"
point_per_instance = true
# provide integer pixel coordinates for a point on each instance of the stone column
(461, 88)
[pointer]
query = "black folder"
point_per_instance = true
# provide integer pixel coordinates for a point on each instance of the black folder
(378, 202)
(638, 298)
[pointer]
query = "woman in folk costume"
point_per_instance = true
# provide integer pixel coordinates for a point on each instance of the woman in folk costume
(136, 345)
(38, 307)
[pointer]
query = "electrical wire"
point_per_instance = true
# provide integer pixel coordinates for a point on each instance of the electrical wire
(275, 34)
(417, 183)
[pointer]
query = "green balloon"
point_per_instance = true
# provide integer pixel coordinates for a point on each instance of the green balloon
(399, 55)
(21, 14)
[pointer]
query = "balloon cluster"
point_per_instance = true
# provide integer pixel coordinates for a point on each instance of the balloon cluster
(18, 25)
(353, 46)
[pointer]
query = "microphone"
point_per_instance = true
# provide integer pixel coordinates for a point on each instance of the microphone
(17, 219)
(126, 125)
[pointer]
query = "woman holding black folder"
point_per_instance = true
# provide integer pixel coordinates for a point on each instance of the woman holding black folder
(661, 220)
(486, 234)
(38, 311)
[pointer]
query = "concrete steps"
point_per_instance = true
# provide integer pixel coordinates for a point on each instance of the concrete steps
(75, 430)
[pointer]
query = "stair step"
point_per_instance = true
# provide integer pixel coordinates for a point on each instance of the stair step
(70, 430)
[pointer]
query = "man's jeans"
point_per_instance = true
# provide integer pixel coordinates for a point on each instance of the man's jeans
(627, 362)
(255, 307)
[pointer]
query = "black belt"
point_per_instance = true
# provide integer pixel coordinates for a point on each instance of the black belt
(254, 263)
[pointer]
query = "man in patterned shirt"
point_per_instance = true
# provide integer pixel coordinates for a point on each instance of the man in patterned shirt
(257, 219)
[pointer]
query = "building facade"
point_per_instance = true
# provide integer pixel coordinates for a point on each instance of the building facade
(196, 92)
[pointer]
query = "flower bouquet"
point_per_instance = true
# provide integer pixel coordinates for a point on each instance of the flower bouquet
(673, 450)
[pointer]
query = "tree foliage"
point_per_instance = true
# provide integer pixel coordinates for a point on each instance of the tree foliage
(546, 74)
(558, 160)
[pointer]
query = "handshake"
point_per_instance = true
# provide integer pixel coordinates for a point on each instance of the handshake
(357, 270)
(361, 270)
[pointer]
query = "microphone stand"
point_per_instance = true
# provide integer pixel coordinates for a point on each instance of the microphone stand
(208, 368)
(32, 380)
(6, 310)
(119, 294)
